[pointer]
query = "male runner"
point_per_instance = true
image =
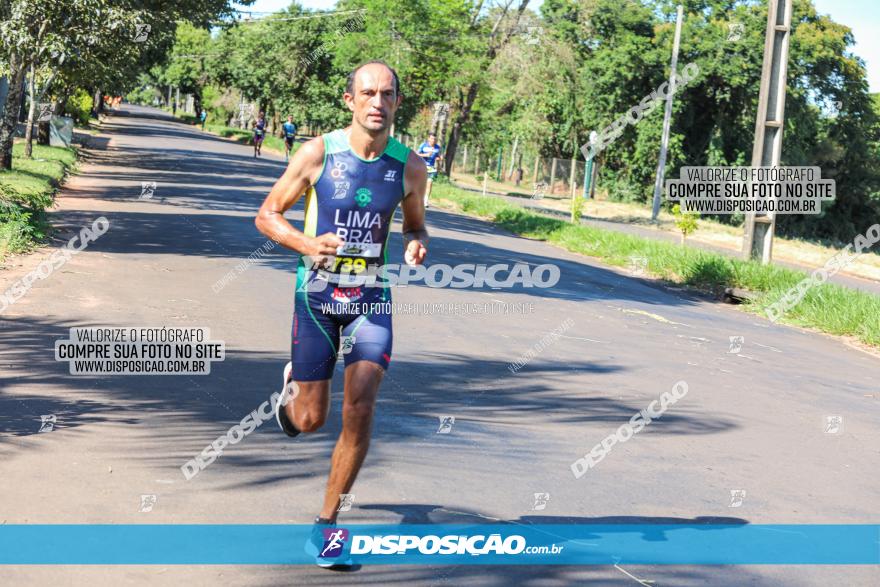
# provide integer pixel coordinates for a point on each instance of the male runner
(289, 130)
(259, 133)
(354, 178)
(430, 152)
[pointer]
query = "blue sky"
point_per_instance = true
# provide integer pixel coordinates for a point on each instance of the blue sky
(862, 16)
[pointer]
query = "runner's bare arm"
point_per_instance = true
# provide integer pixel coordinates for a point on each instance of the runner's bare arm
(415, 234)
(301, 173)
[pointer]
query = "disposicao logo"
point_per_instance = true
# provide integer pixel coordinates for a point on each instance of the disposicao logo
(334, 541)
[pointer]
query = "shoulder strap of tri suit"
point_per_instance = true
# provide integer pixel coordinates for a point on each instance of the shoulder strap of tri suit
(335, 142)
(397, 150)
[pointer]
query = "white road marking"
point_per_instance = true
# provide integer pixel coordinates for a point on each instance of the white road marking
(581, 338)
(768, 347)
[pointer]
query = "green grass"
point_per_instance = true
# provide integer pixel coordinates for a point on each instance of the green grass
(26, 191)
(828, 308)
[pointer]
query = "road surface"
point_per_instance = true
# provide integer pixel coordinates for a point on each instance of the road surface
(753, 420)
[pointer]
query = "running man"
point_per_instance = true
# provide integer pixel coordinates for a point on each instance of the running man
(354, 179)
(430, 152)
(259, 133)
(289, 130)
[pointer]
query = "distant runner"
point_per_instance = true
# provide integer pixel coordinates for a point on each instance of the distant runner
(430, 152)
(289, 130)
(354, 179)
(259, 133)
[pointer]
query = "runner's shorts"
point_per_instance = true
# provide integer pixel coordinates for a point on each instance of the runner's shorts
(328, 321)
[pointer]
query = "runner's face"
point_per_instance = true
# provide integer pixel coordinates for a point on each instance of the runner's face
(374, 101)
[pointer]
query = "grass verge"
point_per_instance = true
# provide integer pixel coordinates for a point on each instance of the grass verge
(26, 191)
(828, 308)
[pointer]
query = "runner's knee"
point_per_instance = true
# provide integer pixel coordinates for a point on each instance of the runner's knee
(311, 405)
(310, 419)
(358, 410)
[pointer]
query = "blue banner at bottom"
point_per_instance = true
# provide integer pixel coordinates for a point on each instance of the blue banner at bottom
(562, 544)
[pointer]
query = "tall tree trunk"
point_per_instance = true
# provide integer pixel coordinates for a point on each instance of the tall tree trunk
(512, 157)
(97, 103)
(32, 110)
(10, 112)
(463, 117)
(495, 45)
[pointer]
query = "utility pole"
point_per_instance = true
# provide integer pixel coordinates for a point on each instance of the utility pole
(667, 118)
(767, 148)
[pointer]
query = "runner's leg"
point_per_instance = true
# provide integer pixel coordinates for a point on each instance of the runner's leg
(314, 345)
(309, 409)
(362, 381)
(428, 190)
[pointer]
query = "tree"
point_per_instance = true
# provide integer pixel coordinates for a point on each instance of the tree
(84, 41)
(498, 37)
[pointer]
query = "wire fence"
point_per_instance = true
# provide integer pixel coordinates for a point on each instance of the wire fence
(543, 176)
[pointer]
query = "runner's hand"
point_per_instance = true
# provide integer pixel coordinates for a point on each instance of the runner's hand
(321, 249)
(415, 253)
(326, 244)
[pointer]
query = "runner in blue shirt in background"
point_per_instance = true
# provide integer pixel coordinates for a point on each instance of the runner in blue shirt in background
(289, 129)
(430, 152)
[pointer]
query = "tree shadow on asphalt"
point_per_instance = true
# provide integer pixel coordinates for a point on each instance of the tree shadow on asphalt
(176, 417)
(240, 187)
(193, 410)
(236, 237)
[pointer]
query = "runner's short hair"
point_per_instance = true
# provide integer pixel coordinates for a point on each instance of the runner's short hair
(349, 84)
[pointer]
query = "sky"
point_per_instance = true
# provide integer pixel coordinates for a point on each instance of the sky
(861, 16)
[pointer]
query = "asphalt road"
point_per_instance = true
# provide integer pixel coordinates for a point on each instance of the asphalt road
(753, 420)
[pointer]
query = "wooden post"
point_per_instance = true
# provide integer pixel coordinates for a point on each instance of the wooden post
(552, 176)
(464, 161)
(572, 178)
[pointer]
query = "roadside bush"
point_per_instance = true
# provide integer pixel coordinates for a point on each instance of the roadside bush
(78, 106)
